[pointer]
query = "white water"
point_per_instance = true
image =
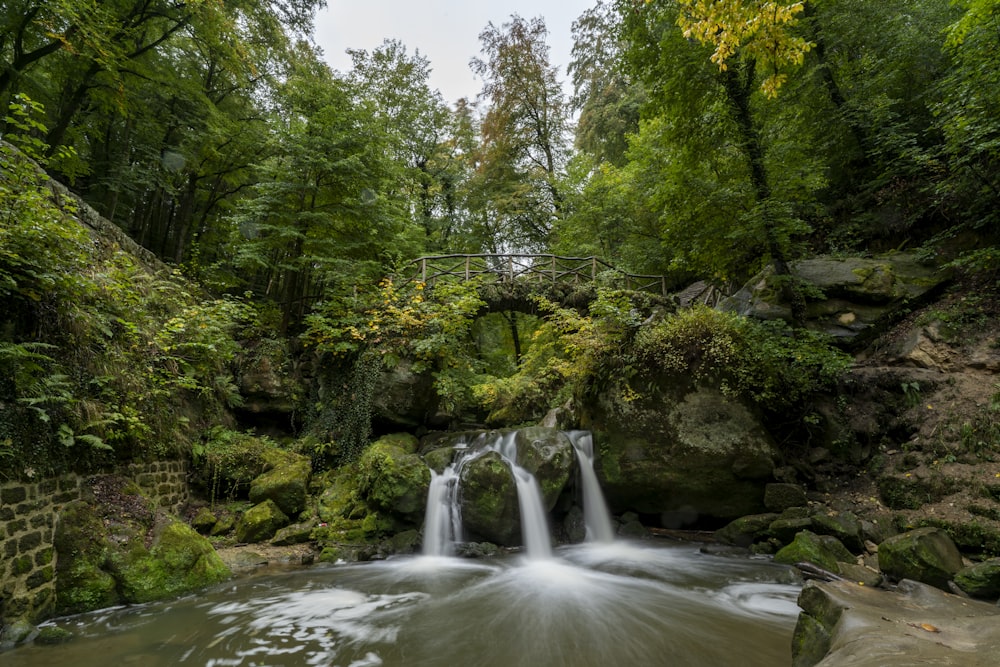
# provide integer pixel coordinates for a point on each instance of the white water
(596, 517)
(443, 522)
(534, 526)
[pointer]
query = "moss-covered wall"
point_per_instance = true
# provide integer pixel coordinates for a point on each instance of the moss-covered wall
(28, 514)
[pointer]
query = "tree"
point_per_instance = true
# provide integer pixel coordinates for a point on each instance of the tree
(607, 98)
(419, 127)
(321, 214)
(524, 133)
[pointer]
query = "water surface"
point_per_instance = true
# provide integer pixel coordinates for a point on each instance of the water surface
(601, 605)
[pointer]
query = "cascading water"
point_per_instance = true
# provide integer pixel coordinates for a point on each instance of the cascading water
(443, 523)
(596, 517)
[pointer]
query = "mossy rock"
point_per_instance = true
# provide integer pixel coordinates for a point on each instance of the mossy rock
(927, 555)
(297, 533)
(392, 478)
(439, 459)
(900, 492)
(824, 551)
(204, 521)
(490, 510)
(81, 544)
(845, 526)
(180, 560)
(340, 497)
(286, 482)
(260, 522)
(746, 530)
(784, 529)
(981, 580)
(225, 525)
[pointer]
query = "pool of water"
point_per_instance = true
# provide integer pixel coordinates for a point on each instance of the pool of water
(621, 604)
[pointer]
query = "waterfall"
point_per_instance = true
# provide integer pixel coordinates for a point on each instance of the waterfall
(534, 526)
(596, 517)
(443, 522)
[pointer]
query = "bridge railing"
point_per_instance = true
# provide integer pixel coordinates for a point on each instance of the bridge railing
(542, 269)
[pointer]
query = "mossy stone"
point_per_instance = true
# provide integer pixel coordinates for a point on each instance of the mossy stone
(822, 550)
(393, 479)
(927, 555)
(286, 482)
(260, 522)
(981, 580)
(204, 521)
(80, 542)
(179, 561)
(746, 530)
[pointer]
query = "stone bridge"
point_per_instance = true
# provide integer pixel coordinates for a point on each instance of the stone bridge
(512, 279)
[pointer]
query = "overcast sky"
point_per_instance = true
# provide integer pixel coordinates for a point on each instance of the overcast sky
(446, 32)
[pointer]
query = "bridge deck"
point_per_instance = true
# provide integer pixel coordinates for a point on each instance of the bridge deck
(544, 269)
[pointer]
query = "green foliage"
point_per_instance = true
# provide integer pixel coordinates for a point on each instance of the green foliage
(230, 460)
(763, 361)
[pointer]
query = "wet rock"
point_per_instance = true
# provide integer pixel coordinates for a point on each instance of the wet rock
(927, 555)
(981, 580)
(489, 501)
(286, 482)
(846, 625)
(785, 528)
(824, 551)
(548, 455)
(260, 522)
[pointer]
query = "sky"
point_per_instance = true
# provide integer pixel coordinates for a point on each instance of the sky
(446, 32)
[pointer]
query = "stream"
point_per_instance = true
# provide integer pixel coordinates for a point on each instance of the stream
(620, 604)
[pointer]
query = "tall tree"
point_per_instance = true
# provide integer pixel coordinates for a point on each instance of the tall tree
(606, 96)
(524, 132)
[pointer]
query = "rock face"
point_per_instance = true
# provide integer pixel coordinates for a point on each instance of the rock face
(490, 510)
(857, 291)
(679, 449)
(846, 625)
(927, 555)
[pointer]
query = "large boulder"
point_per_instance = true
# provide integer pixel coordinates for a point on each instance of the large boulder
(179, 560)
(927, 555)
(286, 481)
(393, 478)
(856, 292)
(675, 448)
(490, 510)
(109, 555)
(260, 522)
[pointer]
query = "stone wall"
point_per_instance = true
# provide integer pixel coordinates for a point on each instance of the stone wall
(28, 515)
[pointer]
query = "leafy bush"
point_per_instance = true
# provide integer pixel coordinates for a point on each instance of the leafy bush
(767, 362)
